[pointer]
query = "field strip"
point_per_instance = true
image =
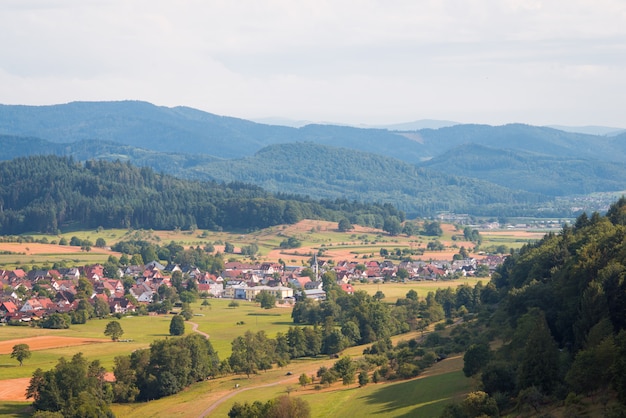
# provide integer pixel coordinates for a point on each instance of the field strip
(14, 389)
(45, 342)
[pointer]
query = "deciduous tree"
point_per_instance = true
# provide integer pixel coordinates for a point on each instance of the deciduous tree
(114, 330)
(21, 352)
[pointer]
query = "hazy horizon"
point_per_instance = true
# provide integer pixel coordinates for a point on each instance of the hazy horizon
(346, 62)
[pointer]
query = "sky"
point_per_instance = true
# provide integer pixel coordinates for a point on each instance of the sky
(354, 62)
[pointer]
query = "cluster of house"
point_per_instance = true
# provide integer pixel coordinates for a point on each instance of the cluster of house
(21, 300)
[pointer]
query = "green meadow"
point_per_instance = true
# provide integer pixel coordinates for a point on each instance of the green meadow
(217, 320)
(393, 290)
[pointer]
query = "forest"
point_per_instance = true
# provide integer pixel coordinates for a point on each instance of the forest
(558, 332)
(51, 193)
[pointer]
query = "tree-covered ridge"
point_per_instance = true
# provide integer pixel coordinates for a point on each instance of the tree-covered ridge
(178, 129)
(562, 321)
(48, 193)
(319, 171)
(183, 129)
(330, 172)
(522, 170)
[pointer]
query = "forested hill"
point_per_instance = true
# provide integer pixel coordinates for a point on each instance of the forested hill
(182, 129)
(314, 170)
(50, 193)
(332, 172)
(522, 170)
(191, 131)
(559, 307)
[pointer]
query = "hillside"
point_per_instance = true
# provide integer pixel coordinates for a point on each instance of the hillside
(179, 129)
(331, 172)
(49, 193)
(191, 131)
(549, 175)
(560, 318)
(317, 171)
(508, 170)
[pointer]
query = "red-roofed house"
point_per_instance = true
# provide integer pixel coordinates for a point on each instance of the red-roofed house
(7, 307)
(347, 288)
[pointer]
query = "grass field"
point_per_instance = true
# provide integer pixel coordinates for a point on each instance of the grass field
(218, 320)
(393, 291)
(425, 396)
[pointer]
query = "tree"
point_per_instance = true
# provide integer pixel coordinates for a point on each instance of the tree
(286, 406)
(57, 321)
(304, 379)
(177, 325)
(363, 378)
(74, 388)
(346, 369)
(432, 229)
(266, 299)
(344, 225)
(101, 308)
(246, 353)
(539, 366)
(402, 274)
(114, 330)
(392, 225)
(379, 295)
(21, 352)
(476, 356)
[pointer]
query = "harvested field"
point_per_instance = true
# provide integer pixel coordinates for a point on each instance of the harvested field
(33, 248)
(48, 341)
(14, 389)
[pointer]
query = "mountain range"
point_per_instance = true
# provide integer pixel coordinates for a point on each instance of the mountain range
(480, 169)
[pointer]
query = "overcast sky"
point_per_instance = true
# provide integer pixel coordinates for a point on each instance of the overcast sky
(359, 62)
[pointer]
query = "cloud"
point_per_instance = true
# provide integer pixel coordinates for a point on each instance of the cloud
(490, 61)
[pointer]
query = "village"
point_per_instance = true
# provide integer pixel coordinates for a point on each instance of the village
(29, 297)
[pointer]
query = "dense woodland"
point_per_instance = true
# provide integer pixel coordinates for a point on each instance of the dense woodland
(50, 193)
(561, 319)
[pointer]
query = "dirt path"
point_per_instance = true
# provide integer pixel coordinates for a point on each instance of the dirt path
(194, 328)
(223, 399)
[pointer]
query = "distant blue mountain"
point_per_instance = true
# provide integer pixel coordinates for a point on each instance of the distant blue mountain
(459, 167)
